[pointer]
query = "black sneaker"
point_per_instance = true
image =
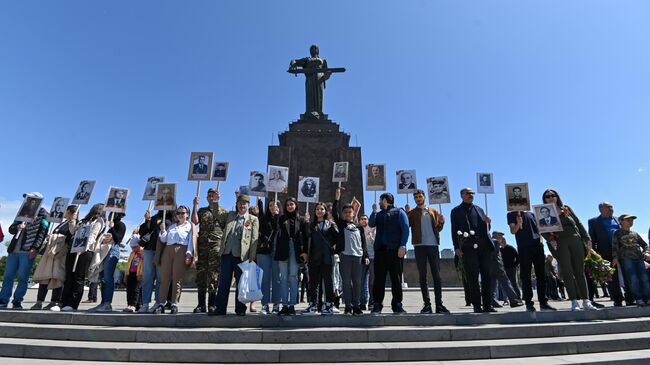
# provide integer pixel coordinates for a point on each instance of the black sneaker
(284, 311)
(168, 305)
(531, 307)
(478, 310)
(200, 309)
(173, 310)
(546, 307)
(496, 305)
(398, 309)
(17, 306)
(426, 309)
(597, 305)
(376, 309)
(489, 310)
(516, 304)
(160, 309)
(441, 309)
(356, 311)
(291, 311)
(348, 311)
(363, 307)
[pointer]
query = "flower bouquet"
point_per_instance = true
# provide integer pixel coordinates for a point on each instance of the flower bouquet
(597, 268)
(460, 268)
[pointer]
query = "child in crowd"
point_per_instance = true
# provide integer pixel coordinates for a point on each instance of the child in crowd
(629, 251)
(133, 276)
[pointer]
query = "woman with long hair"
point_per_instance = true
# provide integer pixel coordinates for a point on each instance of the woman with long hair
(92, 225)
(116, 230)
(569, 247)
(289, 249)
(269, 218)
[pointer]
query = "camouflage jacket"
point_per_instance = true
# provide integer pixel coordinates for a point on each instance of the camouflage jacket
(212, 223)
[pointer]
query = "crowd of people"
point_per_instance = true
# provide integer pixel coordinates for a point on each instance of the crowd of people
(343, 259)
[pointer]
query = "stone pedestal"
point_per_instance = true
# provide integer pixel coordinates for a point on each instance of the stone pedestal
(309, 148)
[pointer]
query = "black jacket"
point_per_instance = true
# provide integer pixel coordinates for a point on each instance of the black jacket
(151, 229)
(268, 230)
(118, 231)
(320, 244)
(290, 226)
(33, 234)
(469, 217)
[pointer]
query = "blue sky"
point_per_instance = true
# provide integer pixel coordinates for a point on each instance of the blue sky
(552, 93)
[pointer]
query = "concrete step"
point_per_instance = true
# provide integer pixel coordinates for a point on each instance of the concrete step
(315, 353)
(189, 320)
(329, 335)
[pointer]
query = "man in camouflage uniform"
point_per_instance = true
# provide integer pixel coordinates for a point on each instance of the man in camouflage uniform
(212, 223)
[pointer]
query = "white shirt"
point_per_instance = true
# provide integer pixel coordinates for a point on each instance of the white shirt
(179, 235)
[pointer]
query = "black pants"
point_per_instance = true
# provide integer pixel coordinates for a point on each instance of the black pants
(530, 256)
(92, 291)
(229, 269)
(478, 261)
(387, 262)
(432, 255)
(512, 276)
(320, 273)
(500, 279)
(42, 293)
(73, 288)
(132, 292)
(614, 286)
(551, 289)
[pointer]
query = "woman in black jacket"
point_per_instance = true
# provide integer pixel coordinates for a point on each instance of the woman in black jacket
(265, 251)
(322, 237)
(149, 232)
(288, 250)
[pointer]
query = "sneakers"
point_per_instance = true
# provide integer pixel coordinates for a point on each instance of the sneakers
(284, 311)
(586, 305)
(89, 301)
(356, 311)
(265, 309)
(17, 306)
(105, 308)
(531, 307)
(129, 309)
(363, 307)
(199, 309)
(376, 309)
(597, 305)
(489, 310)
(397, 309)
(335, 310)
(516, 304)
(55, 308)
(36, 307)
(311, 309)
(327, 311)
(546, 307)
(426, 309)
(143, 308)
(174, 309)
(95, 308)
(291, 311)
(441, 309)
(348, 311)
(67, 308)
(50, 306)
(276, 308)
(159, 309)
(575, 306)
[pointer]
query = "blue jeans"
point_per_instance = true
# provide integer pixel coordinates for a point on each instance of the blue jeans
(17, 263)
(270, 268)
(637, 278)
(108, 280)
(368, 277)
(150, 272)
(229, 268)
(288, 278)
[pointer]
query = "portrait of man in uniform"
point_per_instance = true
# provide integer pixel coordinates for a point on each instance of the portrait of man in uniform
(256, 184)
(308, 189)
(150, 189)
(220, 172)
(485, 183)
(165, 196)
(340, 172)
(517, 198)
(278, 177)
(83, 193)
(438, 190)
(376, 177)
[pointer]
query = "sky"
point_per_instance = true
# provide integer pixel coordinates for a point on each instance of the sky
(552, 93)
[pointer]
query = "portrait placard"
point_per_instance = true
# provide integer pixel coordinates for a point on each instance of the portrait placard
(220, 171)
(83, 193)
(406, 181)
(517, 197)
(340, 171)
(243, 190)
(29, 209)
(152, 185)
(438, 189)
(57, 212)
(308, 188)
(165, 196)
(356, 206)
(548, 219)
(80, 239)
(116, 199)
(200, 166)
(376, 177)
(257, 183)
(484, 183)
(278, 178)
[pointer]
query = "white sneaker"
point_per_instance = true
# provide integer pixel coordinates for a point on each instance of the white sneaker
(104, 308)
(144, 308)
(67, 308)
(575, 306)
(55, 308)
(586, 305)
(311, 310)
(335, 310)
(265, 309)
(129, 309)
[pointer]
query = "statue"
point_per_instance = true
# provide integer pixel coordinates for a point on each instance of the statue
(316, 73)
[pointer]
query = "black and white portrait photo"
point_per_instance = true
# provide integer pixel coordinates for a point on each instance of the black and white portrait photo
(152, 185)
(438, 189)
(547, 218)
(257, 183)
(243, 190)
(116, 200)
(29, 208)
(278, 178)
(165, 196)
(80, 239)
(517, 197)
(376, 177)
(58, 209)
(484, 183)
(220, 171)
(308, 189)
(406, 181)
(340, 172)
(83, 193)
(200, 166)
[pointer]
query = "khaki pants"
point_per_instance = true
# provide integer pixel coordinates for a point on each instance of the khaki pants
(172, 269)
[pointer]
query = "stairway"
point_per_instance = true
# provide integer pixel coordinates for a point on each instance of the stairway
(198, 338)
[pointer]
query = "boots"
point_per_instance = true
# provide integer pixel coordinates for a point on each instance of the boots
(200, 308)
(212, 302)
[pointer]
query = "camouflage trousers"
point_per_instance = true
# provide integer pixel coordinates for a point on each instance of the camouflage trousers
(208, 266)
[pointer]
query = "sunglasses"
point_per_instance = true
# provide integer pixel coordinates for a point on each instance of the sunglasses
(549, 196)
